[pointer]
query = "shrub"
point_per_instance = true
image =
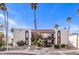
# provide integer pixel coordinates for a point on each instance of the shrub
(40, 42)
(57, 46)
(1, 44)
(47, 43)
(34, 42)
(20, 43)
(63, 45)
(3, 48)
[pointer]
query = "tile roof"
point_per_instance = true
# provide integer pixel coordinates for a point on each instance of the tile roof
(44, 30)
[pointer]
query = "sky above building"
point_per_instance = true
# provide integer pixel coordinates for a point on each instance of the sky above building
(47, 15)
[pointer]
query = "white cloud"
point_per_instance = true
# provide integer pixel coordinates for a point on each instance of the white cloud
(74, 28)
(13, 24)
(10, 20)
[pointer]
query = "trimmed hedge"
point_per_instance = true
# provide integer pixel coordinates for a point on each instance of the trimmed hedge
(63, 45)
(1, 44)
(57, 46)
(3, 48)
(21, 43)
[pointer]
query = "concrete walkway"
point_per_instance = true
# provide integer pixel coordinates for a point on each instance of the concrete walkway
(41, 51)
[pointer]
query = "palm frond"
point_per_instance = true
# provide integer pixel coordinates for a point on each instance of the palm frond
(68, 19)
(33, 6)
(2, 6)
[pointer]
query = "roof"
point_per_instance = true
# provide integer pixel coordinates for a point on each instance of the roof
(44, 31)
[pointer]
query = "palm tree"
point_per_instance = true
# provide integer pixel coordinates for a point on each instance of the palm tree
(68, 20)
(34, 7)
(56, 26)
(77, 12)
(4, 9)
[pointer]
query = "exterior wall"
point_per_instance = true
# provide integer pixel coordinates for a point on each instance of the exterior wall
(64, 36)
(45, 35)
(19, 34)
(55, 36)
(73, 41)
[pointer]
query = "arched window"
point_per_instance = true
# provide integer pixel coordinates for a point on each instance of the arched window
(58, 37)
(26, 37)
(26, 34)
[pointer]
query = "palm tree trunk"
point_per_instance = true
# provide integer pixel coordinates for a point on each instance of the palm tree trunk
(7, 28)
(77, 42)
(35, 19)
(68, 33)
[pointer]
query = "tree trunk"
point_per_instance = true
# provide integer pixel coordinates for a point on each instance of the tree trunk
(35, 20)
(6, 26)
(68, 28)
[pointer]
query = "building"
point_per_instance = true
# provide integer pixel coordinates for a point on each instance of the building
(74, 40)
(57, 36)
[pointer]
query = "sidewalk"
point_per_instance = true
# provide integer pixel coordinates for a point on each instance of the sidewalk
(42, 51)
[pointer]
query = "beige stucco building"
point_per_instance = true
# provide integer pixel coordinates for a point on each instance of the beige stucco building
(58, 36)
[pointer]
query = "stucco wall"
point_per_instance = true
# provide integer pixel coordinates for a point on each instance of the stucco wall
(64, 36)
(73, 41)
(19, 34)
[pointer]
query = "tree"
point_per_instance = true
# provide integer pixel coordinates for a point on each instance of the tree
(34, 7)
(68, 20)
(56, 26)
(1, 36)
(12, 30)
(4, 9)
(77, 12)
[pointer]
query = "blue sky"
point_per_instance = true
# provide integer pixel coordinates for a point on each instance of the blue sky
(48, 14)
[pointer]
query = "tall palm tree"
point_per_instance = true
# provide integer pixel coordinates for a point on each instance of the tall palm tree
(34, 7)
(68, 20)
(56, 26)
(77, 12)
(4, 9)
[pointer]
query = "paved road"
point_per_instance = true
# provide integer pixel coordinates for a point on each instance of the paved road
(15, 54)
(40, 51)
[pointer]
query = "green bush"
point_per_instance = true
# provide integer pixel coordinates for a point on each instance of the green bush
(63, 45)
(40, 42)
(1, 44)
(3, 48)
(20, 43)
(34, 42)
(57, 46)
